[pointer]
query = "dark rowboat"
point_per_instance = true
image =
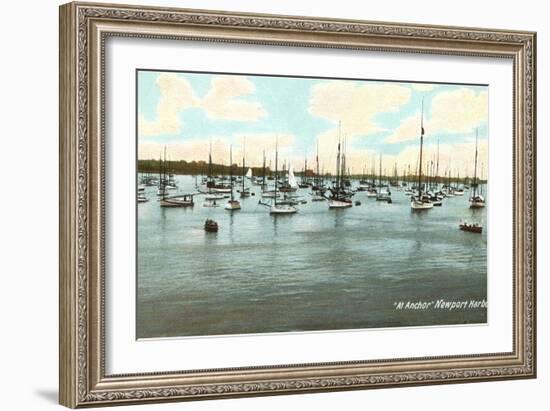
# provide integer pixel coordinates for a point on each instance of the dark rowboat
(211, 226)
(472, 228)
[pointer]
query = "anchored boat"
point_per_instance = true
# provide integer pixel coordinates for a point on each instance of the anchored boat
(210, 226)
(339, 198)
(477, 200)
(421, 201)
(275, 207)
(472, 228)
(232, 204)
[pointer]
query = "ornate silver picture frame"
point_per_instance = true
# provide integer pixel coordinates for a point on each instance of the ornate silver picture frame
(84, 30)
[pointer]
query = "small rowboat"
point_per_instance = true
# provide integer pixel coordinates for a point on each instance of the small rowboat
(211, 226)
(472, 228)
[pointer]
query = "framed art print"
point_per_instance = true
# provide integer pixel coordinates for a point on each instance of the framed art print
(258, 204)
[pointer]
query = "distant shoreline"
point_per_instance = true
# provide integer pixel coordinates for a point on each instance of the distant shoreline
(201, 168)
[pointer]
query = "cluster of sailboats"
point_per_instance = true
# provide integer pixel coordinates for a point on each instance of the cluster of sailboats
(280, 191)
(422, 199)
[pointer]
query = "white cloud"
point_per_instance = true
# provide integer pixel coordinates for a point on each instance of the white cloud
(356, 106)
(408, 130)
(457, 111)
(176, 94)
(222, 102)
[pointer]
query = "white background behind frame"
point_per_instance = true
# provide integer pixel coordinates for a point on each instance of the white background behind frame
(126, 355)
(29, 263)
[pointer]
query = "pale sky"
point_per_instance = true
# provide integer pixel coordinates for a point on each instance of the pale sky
(186, 111)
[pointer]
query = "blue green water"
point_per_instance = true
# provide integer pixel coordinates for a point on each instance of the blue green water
(319, 269)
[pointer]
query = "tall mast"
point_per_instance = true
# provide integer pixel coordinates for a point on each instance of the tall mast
(343, 167)
(164, 175)
(244, 145)
(263, 173)
(380, 171)
(338, 160)
(421, 144)
(210, 180)
(160, 174)
(276, 169)
(317, 161)
(437, 166)
(373, 172)
(481, 179)
(305, 169)
(475, 170)
(451, 174)
(231, 169)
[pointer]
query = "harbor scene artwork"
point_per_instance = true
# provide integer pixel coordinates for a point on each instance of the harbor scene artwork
(276, 204)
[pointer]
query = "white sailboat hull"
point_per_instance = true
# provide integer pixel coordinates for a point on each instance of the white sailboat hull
(421, 205)
(175, 202)
(282, 209)
(338, 204)
(233, 205)
(221, 190)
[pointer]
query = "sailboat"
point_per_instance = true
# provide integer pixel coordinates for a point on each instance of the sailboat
(245, 191)
(458, 190)
(303, 182)
(383, 194)
(363, 183)
(372, 192)
(141, 198)
(276, 208)
(439, 195)
(317, 189)
(210, 194)
(292, 179)
(477, 200)
(290, 184)
(184, 200)
(212, 185)
(161, 191)
(339, 198)
(421, 202)
(265, 192)
(263, 182)
(232, 204)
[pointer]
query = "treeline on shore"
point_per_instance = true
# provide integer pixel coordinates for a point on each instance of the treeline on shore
(201, 168)
(193, 168)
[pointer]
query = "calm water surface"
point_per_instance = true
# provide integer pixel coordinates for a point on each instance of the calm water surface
(319, 269)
